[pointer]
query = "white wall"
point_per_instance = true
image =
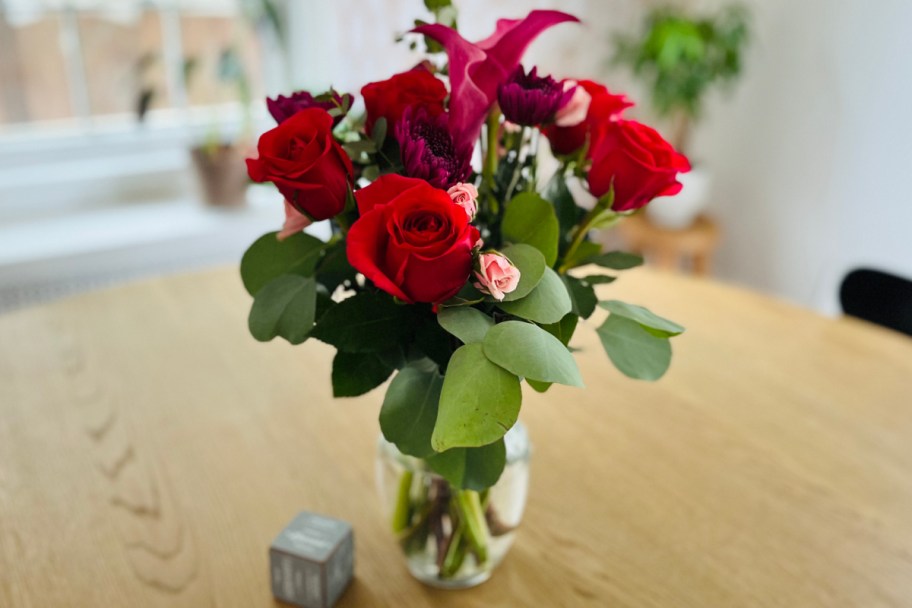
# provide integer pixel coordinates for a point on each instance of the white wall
(812, 154)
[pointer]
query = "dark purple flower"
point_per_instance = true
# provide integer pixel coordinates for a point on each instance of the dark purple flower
(282, 108)
(428, 151)
(529, 99)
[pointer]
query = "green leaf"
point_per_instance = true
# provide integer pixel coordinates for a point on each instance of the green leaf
(539, 387)
(548, 302)
(568, 214)
(367, 322)
(354, 374)
(531, 352)
(478, 404)
(582, 296)
(563, 329)
(616, 260)
(599, 279)
(531, 264)
(268, 258)
(652, 322)
(530, 219)
(410, 409)
(633, 350)
(284, 307)
(468, 324)
(334, 269)
(379, 132)
(471, 468)
(432, 339)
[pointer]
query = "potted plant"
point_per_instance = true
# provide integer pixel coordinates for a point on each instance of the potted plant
(680, 58)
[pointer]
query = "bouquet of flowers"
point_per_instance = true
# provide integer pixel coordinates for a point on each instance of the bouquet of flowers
(454, 266)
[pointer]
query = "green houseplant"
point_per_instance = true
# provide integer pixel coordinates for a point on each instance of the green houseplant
(680, 57)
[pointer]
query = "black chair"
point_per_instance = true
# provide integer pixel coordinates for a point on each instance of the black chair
(878, 297)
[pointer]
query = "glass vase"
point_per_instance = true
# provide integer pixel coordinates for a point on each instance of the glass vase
(453, 538)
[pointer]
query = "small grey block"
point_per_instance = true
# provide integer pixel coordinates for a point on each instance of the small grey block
(312, 561)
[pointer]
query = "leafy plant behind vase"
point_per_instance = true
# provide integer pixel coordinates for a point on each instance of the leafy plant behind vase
(680, 57)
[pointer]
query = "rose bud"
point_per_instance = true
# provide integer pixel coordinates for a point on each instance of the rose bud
(282, 108)
(637, 161)
(295, 222)
(466, 196)
(411, 241)
(306, 164)
(604, 106)
(390, 98)
(529, 100)
(428, 151)
(496, 275)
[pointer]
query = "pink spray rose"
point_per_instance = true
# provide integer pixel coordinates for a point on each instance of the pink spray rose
(466, 196)
(295, 222)
(575, 110)
(496, 275)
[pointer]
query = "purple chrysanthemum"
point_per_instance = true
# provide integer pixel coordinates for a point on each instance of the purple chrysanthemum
(282, 108)
(529, 99)
(428, 151)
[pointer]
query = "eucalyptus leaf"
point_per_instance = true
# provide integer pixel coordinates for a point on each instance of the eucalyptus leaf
(284, 307)
(531, 352)
(366, 322)
(633, 350)
(585, 251)
(268, 258)
(599, 279)
(409, 409)
(531, 265)
(582, 296)
(355, 374)
(548, 302)
(616, 260)
(471, 468)
(563, 330)
(648, 319)
(530, 219)
(568, 213)
(378, 134)
(468, 324)
(479, 401)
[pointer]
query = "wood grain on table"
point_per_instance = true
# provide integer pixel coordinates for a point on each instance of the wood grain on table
(150, 450)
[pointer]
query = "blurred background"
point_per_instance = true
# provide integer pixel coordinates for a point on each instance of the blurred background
(124, 124)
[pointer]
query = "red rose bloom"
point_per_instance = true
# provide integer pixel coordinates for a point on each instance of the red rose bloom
(305, 163)
(390, 98)
(411, 240)
(637, 160)
(604, 107)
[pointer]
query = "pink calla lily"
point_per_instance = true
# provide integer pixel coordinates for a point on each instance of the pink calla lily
(477, 68)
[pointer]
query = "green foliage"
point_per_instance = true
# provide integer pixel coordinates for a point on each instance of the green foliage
(637, 340)
(284, 307)
(636, 352)
(468, 324)
(616, 260)
(650, 321)
(354, 374)
(582, 296)
(471, 468)
(531, 265)
(563, 330)
(680, 56)
(566, 210)
(364, 323)
(547, 303)
(410, 409)
(479, 401)
(531, 352)
(268, 258)
(530, 219)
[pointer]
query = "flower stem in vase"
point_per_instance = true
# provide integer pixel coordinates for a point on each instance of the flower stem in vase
(403, 511)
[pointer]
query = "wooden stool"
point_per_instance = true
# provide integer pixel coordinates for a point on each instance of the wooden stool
(691, 247)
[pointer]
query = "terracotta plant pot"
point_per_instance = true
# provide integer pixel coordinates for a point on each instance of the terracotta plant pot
(222, 175)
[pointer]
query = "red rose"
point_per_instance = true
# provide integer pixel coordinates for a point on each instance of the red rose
(411, 240)
(390, 98)
(604, 107)
(305, 163)
(640, 163)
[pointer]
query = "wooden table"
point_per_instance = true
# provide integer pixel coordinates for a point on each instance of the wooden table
(150, 450)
